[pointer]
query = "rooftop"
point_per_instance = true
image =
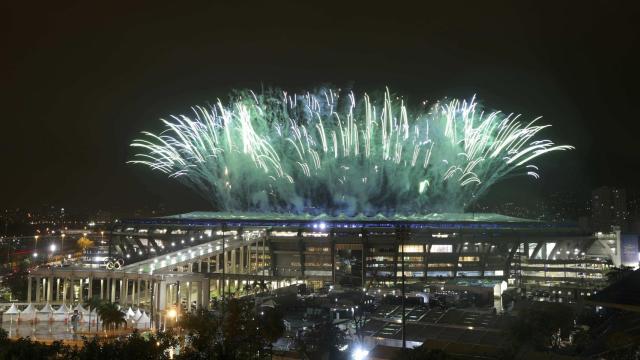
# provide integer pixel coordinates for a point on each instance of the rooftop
(433, 221)
(434, 217)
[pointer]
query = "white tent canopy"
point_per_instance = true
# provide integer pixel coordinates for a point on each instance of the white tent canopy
(45, 313)
(143, 321)
(11, 314)
(28, 314)
(61, 314)
(130, 313)
(137, 315)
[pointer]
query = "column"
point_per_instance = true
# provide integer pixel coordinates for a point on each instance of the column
(189, 296)
(208, 265)
(263, 257)
(38, 286)
(198, 297)
(29, 279)
(233, 261)
(139, 294)
(425, 251)
(161, 289)
(64, 290)
(255, 261)
(364, 263)
(50, 289)
(124, 291)
(178, 298)
(80, 291)
(102, 289)
(123, 282)
(205, 292)
(241, 260)
(112, 298)
(148, 287)
(58, 292)
(90, 294)
(218, 263)
(333, 259)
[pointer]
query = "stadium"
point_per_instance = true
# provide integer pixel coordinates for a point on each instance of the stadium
(358, 252)
(330, 190)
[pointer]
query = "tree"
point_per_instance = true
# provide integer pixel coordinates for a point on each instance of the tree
(28, 349)
(134, 346)
(614, 274)
(16, 281)
(84, 243)
(541, 324)
(202, 329)
(271, 326)
(111, 316)
(238, 333)
(325, 339)
(94, 303)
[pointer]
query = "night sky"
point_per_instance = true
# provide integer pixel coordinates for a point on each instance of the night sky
(80, 80)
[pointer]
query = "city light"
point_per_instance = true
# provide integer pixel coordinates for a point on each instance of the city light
(359, 353)
(172, 313)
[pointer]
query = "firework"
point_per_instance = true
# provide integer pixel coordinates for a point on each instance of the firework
(333, 153)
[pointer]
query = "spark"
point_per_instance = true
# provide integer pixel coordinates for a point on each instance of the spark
(339, 154)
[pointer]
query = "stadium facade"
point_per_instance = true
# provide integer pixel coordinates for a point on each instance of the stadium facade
(184, 261)
(364, 251)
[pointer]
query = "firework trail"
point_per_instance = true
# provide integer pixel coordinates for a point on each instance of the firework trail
(332, 153)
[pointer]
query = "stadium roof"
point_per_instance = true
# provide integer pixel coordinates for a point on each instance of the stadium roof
(434, 217)
(434, 221)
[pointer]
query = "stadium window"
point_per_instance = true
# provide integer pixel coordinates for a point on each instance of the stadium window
(438, 248)
(469, 258)
(411, 248)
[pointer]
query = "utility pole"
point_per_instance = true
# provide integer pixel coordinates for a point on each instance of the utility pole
(224, 265)
(404, 337)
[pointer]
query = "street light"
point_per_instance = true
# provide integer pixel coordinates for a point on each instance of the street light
(35, 247)
(359, 353)
(171, 313)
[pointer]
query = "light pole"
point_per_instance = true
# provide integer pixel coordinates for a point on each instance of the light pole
(35, 247)
(52, 248)
(62, 243)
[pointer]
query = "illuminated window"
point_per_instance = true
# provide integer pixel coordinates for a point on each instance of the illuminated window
(441, 248)
(411, 248)
(469, 258)
(439, 265)
(468, 273)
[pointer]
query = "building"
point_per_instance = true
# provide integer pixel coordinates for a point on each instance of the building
(608, 208)
(185, 260)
